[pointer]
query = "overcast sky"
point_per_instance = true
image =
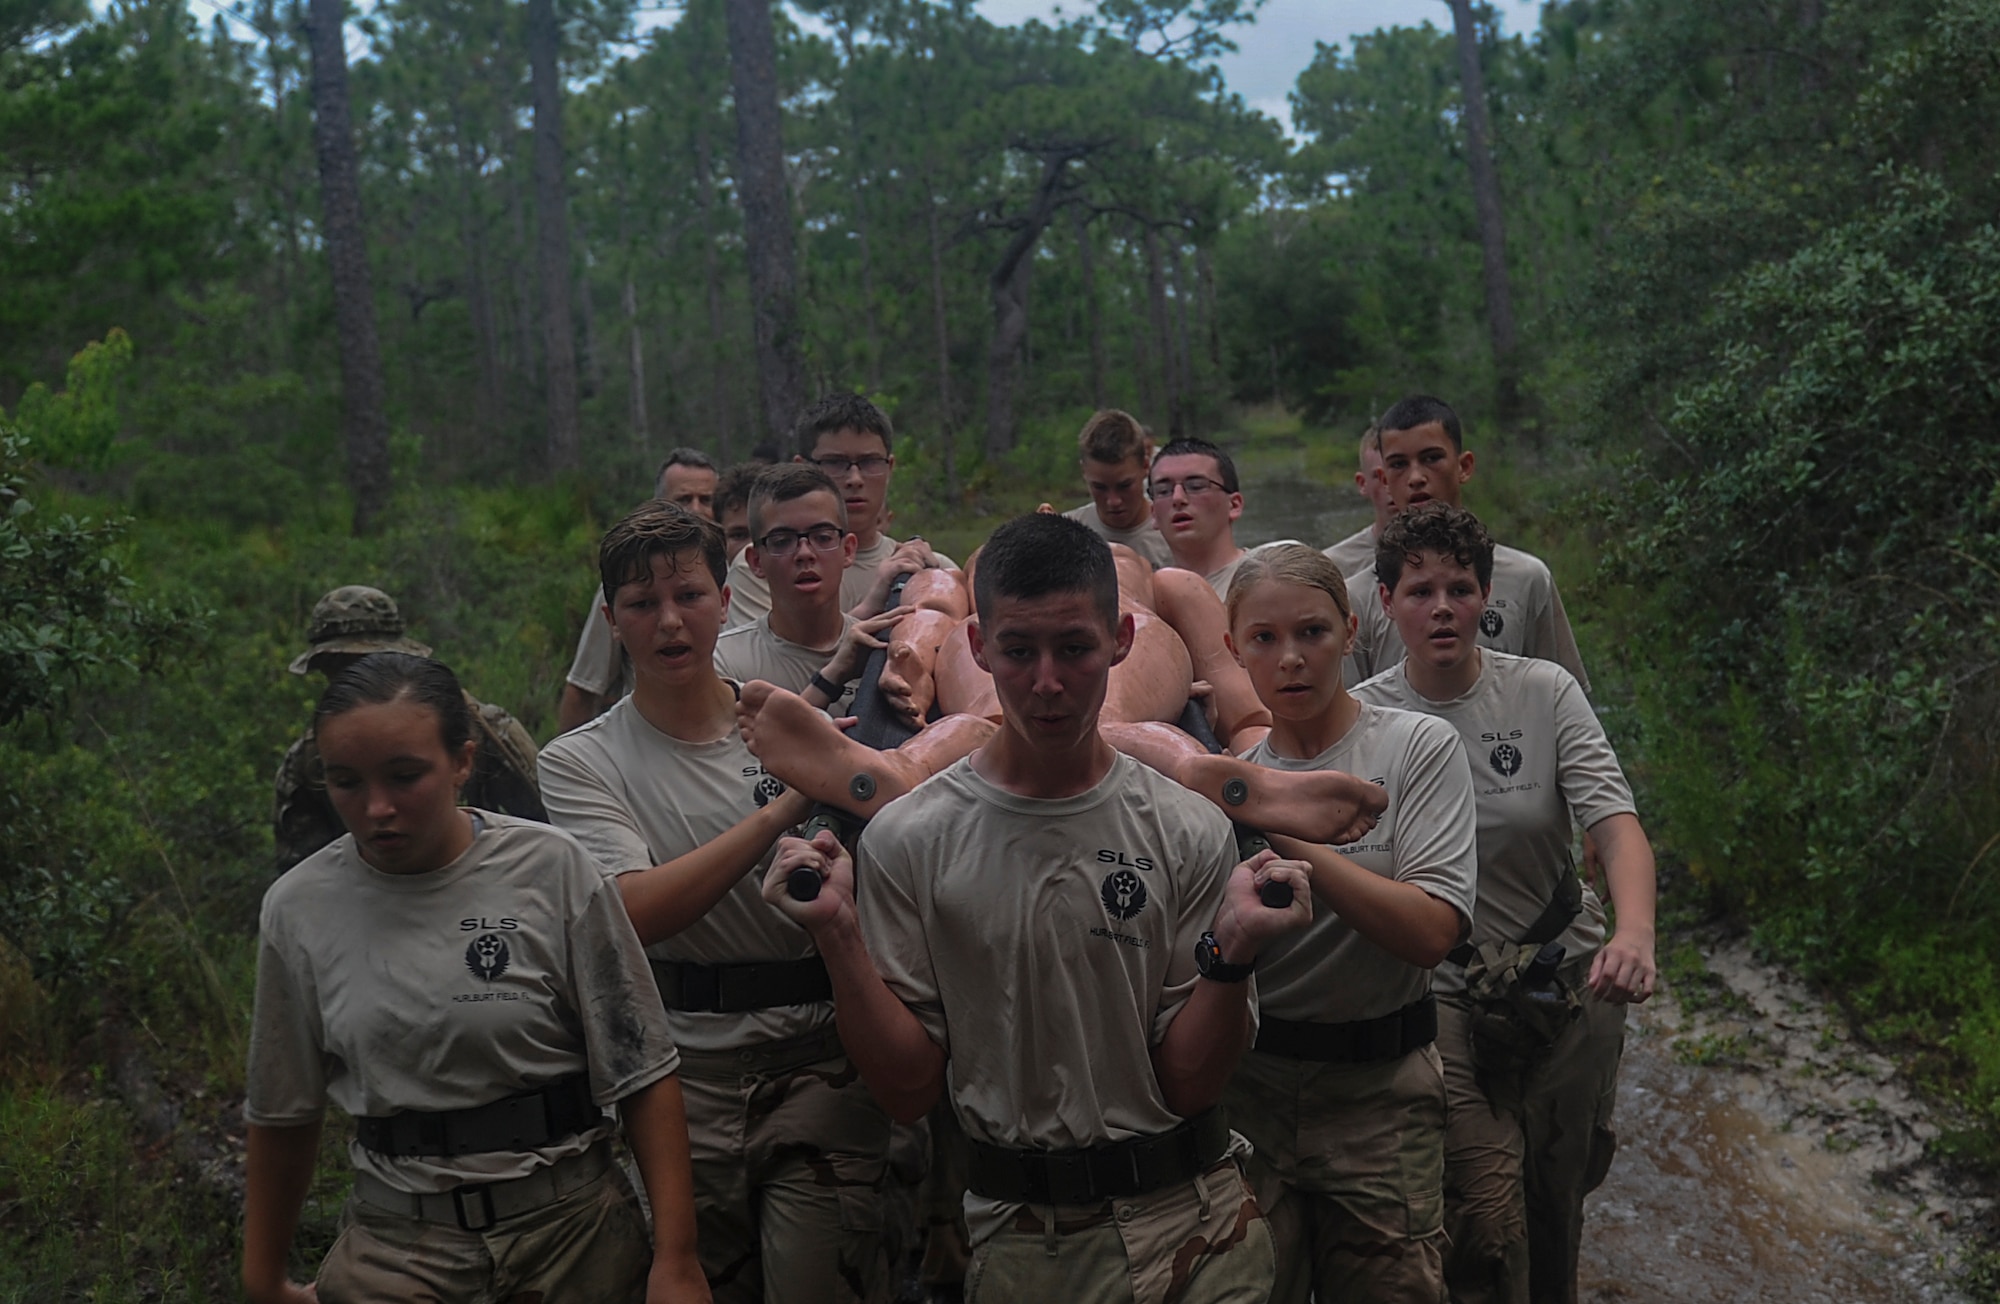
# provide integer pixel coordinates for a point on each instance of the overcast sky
(1275, 50)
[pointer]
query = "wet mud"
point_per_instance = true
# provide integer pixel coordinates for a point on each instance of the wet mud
(1764, 1157)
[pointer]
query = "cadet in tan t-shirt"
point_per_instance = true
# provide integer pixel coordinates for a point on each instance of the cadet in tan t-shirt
(1357, 551)
(789, 1150)
(1031, 941)
(1343, 1096)
(1114, 454)
(1424, 459)
(443, 974)
(847, 437)
(1528, 1137)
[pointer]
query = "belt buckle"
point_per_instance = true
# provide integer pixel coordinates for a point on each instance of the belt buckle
(485, 1200)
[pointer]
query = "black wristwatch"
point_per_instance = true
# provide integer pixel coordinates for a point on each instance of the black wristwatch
(826, 686)
(1209, 963)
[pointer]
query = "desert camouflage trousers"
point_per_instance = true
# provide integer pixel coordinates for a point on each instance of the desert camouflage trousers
(790, 1159)
(1198, 1242)
(1514, 1183)
(1349, 1169)
(591, 1246)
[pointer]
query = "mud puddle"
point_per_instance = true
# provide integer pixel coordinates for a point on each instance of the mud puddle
(1765, 1158)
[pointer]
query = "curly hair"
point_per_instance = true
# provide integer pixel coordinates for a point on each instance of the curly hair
(1438, 528)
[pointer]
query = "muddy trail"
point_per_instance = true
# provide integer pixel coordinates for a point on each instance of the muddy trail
(1766, 1158)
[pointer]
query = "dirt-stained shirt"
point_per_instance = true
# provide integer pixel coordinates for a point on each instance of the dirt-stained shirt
(1524, 616)
(506, 970)
(750, 595)
(1144, 538)
(1541, 765)
(636, 797)
(1045, 945)
(756, 651)
(600, 666)
(1354, 553)
(1330, 973)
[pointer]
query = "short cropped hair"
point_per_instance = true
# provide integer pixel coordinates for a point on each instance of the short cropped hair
(383, 677)
(784, 482)
(1288, 563)
(1113, 437)
(1038, 554)
(657, 529)
(1434, 527)
(837, 412)
(732, 487)
(1421, 410)
(1181, 447)
(684, 457)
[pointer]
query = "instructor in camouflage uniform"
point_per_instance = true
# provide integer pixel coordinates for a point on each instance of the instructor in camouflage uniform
(348, 624)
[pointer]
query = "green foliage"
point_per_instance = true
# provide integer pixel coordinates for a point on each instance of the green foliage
(78, 427)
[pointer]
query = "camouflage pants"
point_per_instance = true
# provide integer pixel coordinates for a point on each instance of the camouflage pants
(1514, 1185)
(1201, 1242)
(1349, 1169)
(790, 1157)
(589, 1246)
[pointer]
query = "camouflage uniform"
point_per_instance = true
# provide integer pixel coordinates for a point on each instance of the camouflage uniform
(353, 621)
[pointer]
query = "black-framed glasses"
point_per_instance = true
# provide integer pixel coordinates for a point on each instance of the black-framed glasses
(1194, 485)
(823, 538)
(874, 466)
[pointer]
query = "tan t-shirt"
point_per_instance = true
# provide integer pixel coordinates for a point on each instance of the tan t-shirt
(1540, 760)
(1220, 580)
(754, 651)
(1045, 945)
(1427, 836)
(1524, 616)
(1144, 539)
(635, 798)
(750, 596)
(1356, 552)
(600, 665)
(506, 970)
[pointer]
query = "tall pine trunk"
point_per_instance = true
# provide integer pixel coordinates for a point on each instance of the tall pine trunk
(1093, 310)
(361, 384)
(552, 234)
(1008, 287)
(1156, 312)
(479, 293)
(636, 359)
(721, 406)
(1486, 204)
(767, 215)
(947, 428)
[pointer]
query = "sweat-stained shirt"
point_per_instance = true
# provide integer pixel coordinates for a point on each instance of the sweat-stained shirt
(506, 970)
(756, 651)
(1046, 946)
(636, 797)
(750, 595)
(1330, 973)
(1541, 765)
(1144, 538)
(1524, 616)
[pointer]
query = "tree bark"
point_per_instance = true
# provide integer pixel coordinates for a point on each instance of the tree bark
(1486, 203)
(1008, 287)
(1183, 354)
(361, 383)
(586, 303)
(479, 294)
(552, 235)
(1093, 310)
(1204, 267)
(767, 216)
(636, 356)
(722, 413)
(1156, 311)
(947, 429)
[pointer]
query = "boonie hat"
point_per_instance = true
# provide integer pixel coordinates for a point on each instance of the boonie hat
(358, 620)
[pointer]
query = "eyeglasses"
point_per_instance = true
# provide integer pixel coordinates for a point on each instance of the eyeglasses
(873, 466)
(823, 538)
(1194, 485)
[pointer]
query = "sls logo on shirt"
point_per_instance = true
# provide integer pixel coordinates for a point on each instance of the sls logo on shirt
(768, 789)
(1124, 895)
(487, 956)
(1491, 623)
(1506, 760)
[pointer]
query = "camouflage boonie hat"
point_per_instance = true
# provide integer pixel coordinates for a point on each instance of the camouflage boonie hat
(357, 620)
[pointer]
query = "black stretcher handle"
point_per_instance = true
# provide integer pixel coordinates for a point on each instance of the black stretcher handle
(875, 724)
(1276, 895)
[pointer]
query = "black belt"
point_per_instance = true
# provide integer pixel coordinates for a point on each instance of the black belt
(1104, 1172)
(735, 988)
(1565, 904)
(1359, 1041)
(527, 1121)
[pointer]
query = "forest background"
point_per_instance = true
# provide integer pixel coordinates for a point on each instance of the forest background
(1716, 284)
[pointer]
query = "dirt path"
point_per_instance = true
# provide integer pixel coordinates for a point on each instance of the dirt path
(1765, 1158)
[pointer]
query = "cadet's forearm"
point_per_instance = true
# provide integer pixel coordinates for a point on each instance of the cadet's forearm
(1195, 1059)
(672, 895)
(1630, 873)
(277, 1173)
(655, 1120)
(1401, 918)
(903, 1067)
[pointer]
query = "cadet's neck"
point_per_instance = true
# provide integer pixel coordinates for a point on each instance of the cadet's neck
(1443, 683)
(1013, 764)
(1208, 558)
(1301, 740)
(699, 708)
(818, 624)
